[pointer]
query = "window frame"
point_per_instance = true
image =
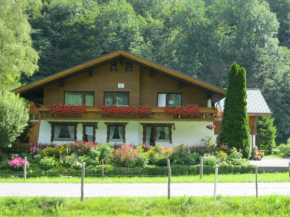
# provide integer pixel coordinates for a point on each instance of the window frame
(110, 124)
(167, 98)
(53, 124)
(129, 63)
(114, 98)
(111, 66)
(94, 125)
(83, 97)
(155, 125)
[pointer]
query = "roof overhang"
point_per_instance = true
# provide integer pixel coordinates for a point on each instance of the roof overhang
(71, 72)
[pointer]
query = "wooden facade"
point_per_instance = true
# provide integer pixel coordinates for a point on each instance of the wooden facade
(34, 118)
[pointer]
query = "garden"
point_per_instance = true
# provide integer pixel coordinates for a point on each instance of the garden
(121, 160)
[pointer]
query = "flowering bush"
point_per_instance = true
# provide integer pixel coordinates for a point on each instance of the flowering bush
(67, 109)
(125, 111)
(47, 162)
(126, 156)
(83, 148)
(210, 126)
(18, 162)
(33, 149)
(188, 110)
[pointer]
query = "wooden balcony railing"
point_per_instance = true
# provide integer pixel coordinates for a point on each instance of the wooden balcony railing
(157, 113)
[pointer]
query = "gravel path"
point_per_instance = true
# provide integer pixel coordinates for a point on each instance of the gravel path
(141, 190)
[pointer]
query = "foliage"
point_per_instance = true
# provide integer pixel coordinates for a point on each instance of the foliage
(206, 146)
(70, 160)
(18, 162)
(210, 161)
(126, 156)
(17, 56)
(47, 162)
(285, 148)
(13, 117)
(266, 134)
(157, 152)
(181, 155)
(183, 111)
(235, 124)
(82, 147)
(67, 109)
(105, 152)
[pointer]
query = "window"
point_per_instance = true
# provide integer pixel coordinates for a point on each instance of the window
(128, 67)
(153, 133)
(116, 132)
(113, 67)
(116, 98)
(89, 130)
(79, 98)
(63, 131)
(33, 117)
(168, 99)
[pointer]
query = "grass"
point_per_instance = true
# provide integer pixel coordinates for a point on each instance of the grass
(274, 156)
(262, 177)
(159, 206)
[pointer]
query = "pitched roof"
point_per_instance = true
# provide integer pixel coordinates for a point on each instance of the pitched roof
(256, 104)
(109, 57)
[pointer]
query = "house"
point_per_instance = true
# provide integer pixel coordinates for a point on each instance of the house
(120, 80)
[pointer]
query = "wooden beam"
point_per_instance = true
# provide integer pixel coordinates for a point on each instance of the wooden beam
(180, 84)
(62, 83)
(91, 72)
(121, 60)
(151, 73)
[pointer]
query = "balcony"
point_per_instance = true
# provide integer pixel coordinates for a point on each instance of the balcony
(157, 113)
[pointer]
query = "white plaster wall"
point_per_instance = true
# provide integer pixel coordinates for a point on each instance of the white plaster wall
(188, 132)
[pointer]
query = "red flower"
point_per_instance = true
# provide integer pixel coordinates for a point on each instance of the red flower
(67, 109)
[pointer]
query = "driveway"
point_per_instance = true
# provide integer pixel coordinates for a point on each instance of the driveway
(141, 190)
(271, 162)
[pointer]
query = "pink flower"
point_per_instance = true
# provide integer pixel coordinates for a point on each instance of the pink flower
(18, 162)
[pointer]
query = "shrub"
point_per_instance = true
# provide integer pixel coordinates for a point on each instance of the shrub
(88, 160)
(161, 162)
(222, 156)
(18, 162)
(206, 146)
(210, 160)
(83, 148)
(266, 134)
(105, 151)
(47, 162)
(71, 161)
(181, 155)
(126, 156)
(285, 149)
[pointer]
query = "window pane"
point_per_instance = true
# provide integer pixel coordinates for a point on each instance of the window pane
(64, 131)
(89, 133)
(122, 99)
(129, 67)
(109, 99)
(116, 132)
(89, 99)
(149, 135)
(114, 67)
(174, 99)
(161, 99)
(73, 98)
(162, 133)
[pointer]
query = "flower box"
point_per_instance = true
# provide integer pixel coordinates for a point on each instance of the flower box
(63, 110)
(188, 112)
(128, 111)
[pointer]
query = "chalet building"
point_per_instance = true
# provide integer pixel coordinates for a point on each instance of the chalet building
(121, 80)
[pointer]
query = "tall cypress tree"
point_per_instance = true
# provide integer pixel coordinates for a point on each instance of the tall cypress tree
(235, 130)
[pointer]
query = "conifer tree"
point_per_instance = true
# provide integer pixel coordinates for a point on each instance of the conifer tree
(235, 130)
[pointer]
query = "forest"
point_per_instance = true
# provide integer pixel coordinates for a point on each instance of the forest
(201, 38)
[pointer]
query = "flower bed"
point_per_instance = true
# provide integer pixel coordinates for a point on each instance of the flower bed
(64, 109)
(188, 111)
(128, 111)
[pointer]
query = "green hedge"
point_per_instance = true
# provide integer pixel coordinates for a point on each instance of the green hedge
(162, 171)
(122, 171)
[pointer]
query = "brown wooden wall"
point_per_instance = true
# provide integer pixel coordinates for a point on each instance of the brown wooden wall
(33, 132)
(142, 87)
(252, 125)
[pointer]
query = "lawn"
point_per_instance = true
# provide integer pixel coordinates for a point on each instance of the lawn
(274, 156)
(160, 206)
(262, 177)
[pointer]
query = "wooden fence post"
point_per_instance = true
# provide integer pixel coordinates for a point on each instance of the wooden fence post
(83, 181)
(169, 177)
(103, 169)
(201, 168)
(25, 166)
(256, 181)
(215, 180)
